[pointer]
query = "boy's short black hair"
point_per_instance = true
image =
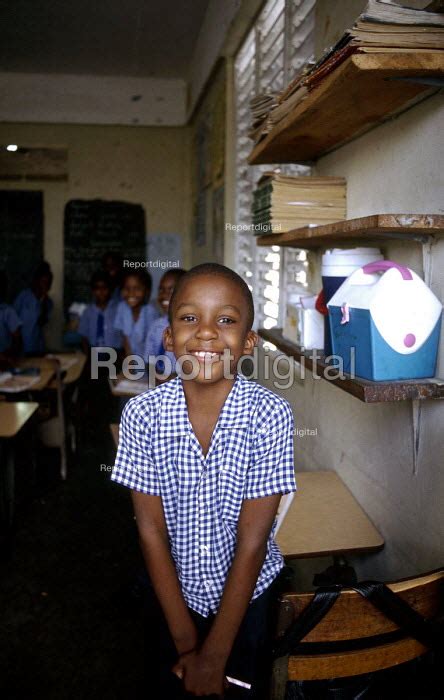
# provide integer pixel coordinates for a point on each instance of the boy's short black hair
(143, 276)
(100, 276)
(221, 271)
(43, 269)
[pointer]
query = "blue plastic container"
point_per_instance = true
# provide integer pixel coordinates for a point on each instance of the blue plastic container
(337, 265)
(385, 327)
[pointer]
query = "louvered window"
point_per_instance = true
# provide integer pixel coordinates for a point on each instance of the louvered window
(279, 43)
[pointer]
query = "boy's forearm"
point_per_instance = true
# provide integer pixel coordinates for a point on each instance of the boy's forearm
(162, 572)
(239, 588)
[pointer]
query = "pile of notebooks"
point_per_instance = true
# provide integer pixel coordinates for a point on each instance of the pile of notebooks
(383, 27)
(260, 107)
(283, 202)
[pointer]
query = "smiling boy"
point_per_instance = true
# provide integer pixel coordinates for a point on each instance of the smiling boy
(207, 460)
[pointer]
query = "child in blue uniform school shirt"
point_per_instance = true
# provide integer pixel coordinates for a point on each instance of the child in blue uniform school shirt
(134, 314)
(154, 340)
(34, 307)
(207, 456)
(10, 324)
(112, 264)
(97, 321)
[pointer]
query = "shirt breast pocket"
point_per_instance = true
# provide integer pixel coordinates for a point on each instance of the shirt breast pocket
(231, 485)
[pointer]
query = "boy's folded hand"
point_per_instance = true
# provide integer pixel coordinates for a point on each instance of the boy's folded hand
(201, 675)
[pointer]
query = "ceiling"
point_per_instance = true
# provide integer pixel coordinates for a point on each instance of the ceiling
(139, 38)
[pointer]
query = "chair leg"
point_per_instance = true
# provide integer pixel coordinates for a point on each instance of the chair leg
(279, 678)
(63, 462)
(61, 422)
(74, 419)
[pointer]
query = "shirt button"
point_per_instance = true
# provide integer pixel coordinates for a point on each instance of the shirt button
(205, 547)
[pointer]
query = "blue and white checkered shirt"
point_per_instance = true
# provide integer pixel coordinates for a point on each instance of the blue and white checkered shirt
(250, 456)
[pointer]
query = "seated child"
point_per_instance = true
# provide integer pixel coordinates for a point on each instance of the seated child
(10, 335)
(207, 459)
(134, 315)
(154, 339)
(34, 307)
(112, 264)
(97, 321)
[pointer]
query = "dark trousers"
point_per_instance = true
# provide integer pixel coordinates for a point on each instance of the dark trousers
(250, 659)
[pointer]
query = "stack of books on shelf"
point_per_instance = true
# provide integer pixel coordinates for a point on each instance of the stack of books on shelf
(283, 202)
(260, 107)
(383, 27)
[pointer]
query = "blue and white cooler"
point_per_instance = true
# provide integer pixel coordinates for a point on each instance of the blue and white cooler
(337, 265)
(391, 320)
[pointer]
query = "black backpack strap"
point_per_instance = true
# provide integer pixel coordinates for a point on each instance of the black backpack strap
(428, 632)
(322, 601)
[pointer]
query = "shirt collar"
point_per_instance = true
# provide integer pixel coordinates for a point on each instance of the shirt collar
(174, 413)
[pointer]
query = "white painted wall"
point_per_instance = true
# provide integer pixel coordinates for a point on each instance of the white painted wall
(225, 25)
(397, 167)
(91, 99)
(218, 19)
(147, 166)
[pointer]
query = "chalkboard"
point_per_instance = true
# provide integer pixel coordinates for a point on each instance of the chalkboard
(21, 236)
(93, 227)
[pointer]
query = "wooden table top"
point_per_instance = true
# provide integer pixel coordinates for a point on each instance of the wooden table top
(132, 387)
(47, 372)
(14, 415)
(46, 364)
(76, 362)
(324, 519)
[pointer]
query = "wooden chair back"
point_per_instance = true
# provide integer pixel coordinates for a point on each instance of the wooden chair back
(352, 618)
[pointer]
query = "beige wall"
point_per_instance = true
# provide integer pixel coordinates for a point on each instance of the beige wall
(208, 173)
(395, 168)
(332, 19)
(141, 165)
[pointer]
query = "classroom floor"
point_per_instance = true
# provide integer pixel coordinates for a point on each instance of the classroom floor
(72, 626)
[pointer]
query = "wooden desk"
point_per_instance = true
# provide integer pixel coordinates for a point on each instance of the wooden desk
(74, 364)
(324, 519)
(133, 387)
(46, 374)
(114, 427)
(13, 416)
(74, 361)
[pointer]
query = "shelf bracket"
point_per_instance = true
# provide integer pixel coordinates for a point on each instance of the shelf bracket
(427, 260)
(416, 422)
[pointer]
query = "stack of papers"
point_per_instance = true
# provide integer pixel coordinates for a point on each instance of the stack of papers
(15, 384)
(383, 27)
(260, 108)
(282, 202)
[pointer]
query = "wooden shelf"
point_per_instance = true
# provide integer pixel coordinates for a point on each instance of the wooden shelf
(367, 391)
(378, 226)
(363, 91)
